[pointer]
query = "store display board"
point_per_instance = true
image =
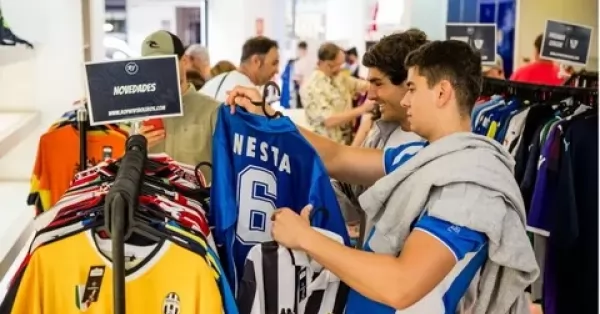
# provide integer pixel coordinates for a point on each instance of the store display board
(133, 90)
(566, 42)
(481, 37)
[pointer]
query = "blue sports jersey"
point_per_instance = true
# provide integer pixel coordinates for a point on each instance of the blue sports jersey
(468, 246)
(263, 164)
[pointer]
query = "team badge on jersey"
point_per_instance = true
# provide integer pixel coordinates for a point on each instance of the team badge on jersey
(171, 304)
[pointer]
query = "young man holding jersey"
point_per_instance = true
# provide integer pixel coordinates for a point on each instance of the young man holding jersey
(445, 217)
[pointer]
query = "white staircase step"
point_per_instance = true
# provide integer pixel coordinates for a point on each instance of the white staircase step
(15, 226)
(15, 127)
(14, 54)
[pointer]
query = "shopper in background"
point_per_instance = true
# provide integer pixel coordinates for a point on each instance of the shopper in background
(187, 139)
(327, 96)
(352, 63)
(221, 67)
(303, 67)
(443, 220)
(495, 70)
(199, 60)
(538, 71)
(387, 74)
(259, 63)
(195, 78)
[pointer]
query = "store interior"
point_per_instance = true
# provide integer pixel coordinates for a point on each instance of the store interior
(40, 84)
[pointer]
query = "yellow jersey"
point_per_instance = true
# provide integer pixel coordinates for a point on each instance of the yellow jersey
(73, 275)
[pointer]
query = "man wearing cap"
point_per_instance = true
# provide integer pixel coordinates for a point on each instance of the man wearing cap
(187, 139)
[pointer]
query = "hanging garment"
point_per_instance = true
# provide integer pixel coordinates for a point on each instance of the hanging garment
(264, 164)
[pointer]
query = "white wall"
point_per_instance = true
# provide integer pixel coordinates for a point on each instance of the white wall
(228, 29)
(531, 20)
(145, 18)
(48, 82)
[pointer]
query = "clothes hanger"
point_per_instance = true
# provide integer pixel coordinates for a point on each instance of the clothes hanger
(269, 86)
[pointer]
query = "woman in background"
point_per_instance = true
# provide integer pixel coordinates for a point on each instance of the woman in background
(222, 66)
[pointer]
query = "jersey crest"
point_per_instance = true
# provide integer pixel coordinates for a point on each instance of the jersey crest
(171, 305)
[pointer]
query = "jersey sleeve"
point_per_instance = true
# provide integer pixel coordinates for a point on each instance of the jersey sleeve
(395, 156)
(222, 215)
(326, 209)
(459, 240)
(23, 295)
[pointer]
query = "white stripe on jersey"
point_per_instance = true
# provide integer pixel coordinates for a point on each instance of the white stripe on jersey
(283, 281)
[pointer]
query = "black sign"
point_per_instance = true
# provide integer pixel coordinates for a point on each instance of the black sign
(136, 89)
(481, 37)
(567, 43)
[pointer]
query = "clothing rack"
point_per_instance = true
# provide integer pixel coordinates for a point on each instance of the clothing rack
(535, 92)
(82, 125)
(119, 208)
(583, 78)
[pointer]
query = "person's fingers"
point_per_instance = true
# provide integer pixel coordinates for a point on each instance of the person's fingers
(275, 213)
(145, 128)
(305, 213)
(156, 133)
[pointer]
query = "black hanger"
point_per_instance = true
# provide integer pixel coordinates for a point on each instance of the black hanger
(266, 93)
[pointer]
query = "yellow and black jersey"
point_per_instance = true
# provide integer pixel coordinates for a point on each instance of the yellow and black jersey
(74, 275)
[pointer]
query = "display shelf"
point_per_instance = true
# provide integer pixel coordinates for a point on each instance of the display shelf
(14, 54)
(15, 227)
(14, 127)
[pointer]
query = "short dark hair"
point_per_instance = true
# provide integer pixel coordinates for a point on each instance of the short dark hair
(302, 45)
(352, 52)
(537, 43)
(389, 53)
(259, 45)
(454, 61)
(328, 52)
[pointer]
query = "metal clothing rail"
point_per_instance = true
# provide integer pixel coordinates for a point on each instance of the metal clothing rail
(82, 125)
(121, 202)
(537, 92)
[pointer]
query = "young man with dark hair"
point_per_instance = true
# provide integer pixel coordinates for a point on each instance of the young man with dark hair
(174, 135)
(538, 71)
(443, 220)
(258, 64)
(387, 75)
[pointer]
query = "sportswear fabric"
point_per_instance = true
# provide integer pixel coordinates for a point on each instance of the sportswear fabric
(538, 72)
(479, 193)
(383, 134)
(277, 279)
(263, 164)
(59, 284)
(189, 137)
(57, 160)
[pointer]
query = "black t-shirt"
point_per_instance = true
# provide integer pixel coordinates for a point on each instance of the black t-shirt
(537, 116)
(573, 243)
(527, 184)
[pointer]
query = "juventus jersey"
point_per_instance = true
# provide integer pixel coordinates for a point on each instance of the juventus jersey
(279, 280)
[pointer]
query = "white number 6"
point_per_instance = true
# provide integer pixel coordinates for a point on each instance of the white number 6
(256, 193)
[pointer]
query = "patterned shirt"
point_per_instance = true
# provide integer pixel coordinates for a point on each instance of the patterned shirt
(323, 96)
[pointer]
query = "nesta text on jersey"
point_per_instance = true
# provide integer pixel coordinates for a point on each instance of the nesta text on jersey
(247, 146)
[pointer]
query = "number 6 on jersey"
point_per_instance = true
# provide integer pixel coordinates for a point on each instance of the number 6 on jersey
(256, 194)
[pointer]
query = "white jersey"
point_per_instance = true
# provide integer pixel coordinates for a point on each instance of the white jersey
(280, 280)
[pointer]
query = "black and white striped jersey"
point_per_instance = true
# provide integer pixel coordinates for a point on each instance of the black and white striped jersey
(278, 280)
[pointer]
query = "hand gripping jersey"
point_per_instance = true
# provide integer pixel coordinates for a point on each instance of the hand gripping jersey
(263, 164)
(280, 280)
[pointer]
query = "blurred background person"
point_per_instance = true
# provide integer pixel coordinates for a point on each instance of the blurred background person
(495, 70)
(538, 71)
(352, 63)
(195, 78)
(199, 60)
(258, 64)
(221, 67)
(302, 66)
(327, 96)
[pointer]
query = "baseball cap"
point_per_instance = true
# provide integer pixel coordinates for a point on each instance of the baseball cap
(162, 43)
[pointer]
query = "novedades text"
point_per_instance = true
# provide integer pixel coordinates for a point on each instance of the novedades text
(134, 89)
